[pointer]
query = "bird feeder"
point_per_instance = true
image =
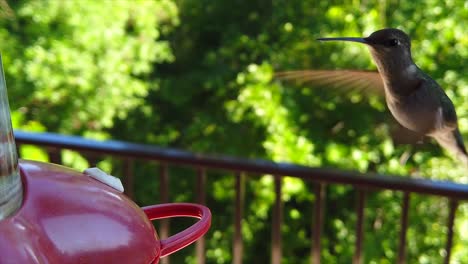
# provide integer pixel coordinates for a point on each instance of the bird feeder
(53, 214)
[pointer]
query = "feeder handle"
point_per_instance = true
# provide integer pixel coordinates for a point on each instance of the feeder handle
(189, 235)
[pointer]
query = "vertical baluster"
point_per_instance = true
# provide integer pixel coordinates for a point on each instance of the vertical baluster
(359, 227)
(317, 224)
(164, 196)
(92, 158)
(201, 199)
(277, 220)
(55, 155)
(18, 149)
(129, 177)
(453, 204)
(403, 228)
(238, 214)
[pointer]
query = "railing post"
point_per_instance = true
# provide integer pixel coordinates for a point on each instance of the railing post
(453, 204)
(55, 155)
(91, 157)
(128, 176)
(18, 149)
(317, 224)
(403, 228)
(237, 250)
(201, 199)
(277, 220)
(359, 227)
(164, 195)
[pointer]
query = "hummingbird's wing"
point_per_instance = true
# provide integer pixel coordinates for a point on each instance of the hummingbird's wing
(340, 79)
(353, 80)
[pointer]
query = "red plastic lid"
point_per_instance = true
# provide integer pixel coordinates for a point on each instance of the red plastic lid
(67, 217)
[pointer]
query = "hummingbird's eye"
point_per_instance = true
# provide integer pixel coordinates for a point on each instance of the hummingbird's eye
(392, 42)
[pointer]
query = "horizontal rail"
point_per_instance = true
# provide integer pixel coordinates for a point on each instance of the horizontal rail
(125, 149)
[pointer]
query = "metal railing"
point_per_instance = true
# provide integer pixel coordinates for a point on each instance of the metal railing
(130, 152)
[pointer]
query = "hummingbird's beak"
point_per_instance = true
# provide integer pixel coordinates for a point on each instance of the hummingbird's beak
(360, 40)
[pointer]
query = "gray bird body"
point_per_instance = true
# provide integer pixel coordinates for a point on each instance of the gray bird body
(415, 100)
(426, 109)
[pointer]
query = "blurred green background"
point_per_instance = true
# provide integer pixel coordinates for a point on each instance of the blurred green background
(198, 75)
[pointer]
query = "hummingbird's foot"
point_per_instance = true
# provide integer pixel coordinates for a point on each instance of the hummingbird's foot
(405, 157)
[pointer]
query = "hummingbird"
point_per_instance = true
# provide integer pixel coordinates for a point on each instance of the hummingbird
(415, 100)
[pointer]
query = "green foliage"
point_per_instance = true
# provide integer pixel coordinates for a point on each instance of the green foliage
(198, 75)
(85, 61)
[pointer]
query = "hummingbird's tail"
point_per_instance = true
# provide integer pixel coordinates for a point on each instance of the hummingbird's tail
(453, 142)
